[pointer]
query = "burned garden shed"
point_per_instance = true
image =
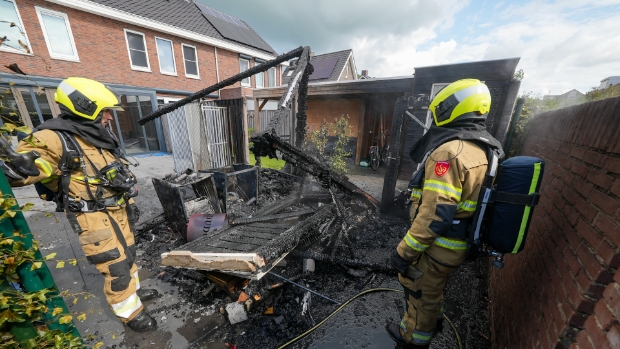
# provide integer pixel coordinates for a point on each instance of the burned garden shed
(498, 75)
(369, 103)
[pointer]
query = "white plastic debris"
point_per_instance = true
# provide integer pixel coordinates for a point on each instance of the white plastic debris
(236, 313)
(308, 266)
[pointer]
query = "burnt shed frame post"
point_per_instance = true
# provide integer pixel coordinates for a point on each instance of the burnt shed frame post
(502, 123)
(398, 131)
(360, 131)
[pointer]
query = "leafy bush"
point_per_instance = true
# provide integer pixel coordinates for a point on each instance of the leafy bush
(319, 139)
(534, 104)
(596, 95)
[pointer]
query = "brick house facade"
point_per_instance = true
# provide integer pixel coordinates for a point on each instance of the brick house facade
(98, 29)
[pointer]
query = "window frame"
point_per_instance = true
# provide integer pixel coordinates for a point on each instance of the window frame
(21, 25)
(249, 83)
(146, 52)
(43, 10)
(256, 75)
(174, 61)
(191, 76)
(275, 77)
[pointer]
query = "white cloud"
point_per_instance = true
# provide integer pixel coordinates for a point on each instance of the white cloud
(563, 44)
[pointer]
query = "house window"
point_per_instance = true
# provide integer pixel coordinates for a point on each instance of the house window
(190, 59)
(260, 77)
(272, 77)
(244, 65)
(15, 41)
(165, 54)
(57, 33)
(138, 55)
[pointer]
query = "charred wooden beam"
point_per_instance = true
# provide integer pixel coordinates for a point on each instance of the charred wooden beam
(227, 82)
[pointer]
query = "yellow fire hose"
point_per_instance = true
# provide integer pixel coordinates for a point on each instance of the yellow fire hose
(458, 338)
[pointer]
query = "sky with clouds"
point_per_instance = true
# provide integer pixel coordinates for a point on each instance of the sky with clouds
(563, 44)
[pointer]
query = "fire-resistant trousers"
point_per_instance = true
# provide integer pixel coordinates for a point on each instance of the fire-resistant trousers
(108, 242)
(424, 294)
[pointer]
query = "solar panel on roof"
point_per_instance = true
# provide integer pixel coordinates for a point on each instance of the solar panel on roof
(232, 28)
(323, 68)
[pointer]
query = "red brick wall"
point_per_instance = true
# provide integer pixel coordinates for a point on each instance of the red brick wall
(102, 50)
(563, 290)
(330, 110)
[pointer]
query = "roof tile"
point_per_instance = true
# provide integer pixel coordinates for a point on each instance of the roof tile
(182, 14)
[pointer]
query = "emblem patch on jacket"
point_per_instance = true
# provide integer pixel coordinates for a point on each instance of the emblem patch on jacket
(441, 168)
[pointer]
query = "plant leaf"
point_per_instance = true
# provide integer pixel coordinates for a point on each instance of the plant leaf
(82, 317)
(30, 140)
(50, 256)
(10, 316)
(98, 345)
(60, 265)
(27, 207)
(8, 127)
(73, 261)
(36, 265)
(8, 214)
(65, 319)
(25, 129)
(57, 311)
(6, 241)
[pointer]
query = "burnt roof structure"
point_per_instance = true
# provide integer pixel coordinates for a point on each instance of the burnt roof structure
(194, 17)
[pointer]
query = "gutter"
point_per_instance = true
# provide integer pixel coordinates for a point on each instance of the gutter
(44, 81)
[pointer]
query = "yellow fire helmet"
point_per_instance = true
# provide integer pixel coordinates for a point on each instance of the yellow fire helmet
(85, 98)
(461, 100)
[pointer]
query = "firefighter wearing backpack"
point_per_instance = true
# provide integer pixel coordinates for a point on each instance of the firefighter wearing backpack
(95, 186)
(454, 164)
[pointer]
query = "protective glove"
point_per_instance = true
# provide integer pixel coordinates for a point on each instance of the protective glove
(405, 267)
(399, 263)
(17, 166)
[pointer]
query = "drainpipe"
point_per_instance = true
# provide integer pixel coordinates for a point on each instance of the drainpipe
(217, 70)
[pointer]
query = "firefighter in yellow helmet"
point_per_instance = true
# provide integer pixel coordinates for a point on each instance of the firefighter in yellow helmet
(77, 156)
(453, 154)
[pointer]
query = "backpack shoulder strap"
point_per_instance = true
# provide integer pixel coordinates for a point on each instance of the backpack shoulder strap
(483, 199)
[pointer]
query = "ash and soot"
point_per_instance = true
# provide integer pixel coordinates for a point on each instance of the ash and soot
(341, 255)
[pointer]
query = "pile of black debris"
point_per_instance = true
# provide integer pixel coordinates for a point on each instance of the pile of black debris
(337, 263)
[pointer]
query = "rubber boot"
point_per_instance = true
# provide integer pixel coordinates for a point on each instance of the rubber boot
(439, 326)
(142, 322)
(393, 331)
(147, 294)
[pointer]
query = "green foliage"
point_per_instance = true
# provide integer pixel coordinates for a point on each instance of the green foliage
(17, 306)
(596, 95)
(519, 75)
(534, 104)
(45, 339)
(275, 164)
(319, 139)
(342, 130)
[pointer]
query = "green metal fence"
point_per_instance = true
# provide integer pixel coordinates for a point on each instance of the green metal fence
(30, 280)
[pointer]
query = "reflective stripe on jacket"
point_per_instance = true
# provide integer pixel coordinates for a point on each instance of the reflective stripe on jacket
(454, 173)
